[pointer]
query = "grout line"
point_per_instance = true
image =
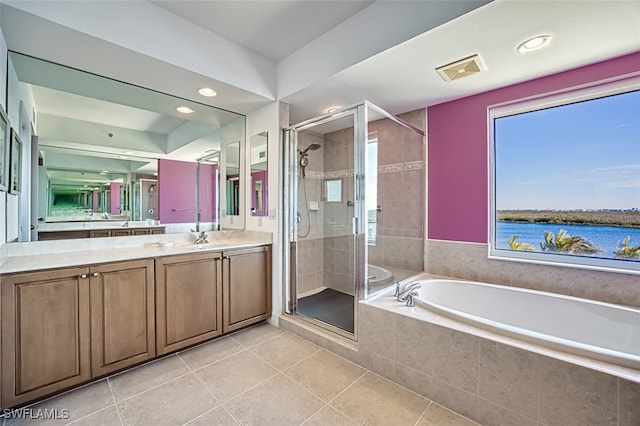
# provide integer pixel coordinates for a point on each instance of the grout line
(314, 414)
(92, 413)
(242, 349)
(206, 388)
(423, 413)
(115, 402)
(348, 387)
(153, 387)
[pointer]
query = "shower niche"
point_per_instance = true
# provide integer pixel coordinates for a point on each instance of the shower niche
(347, 226)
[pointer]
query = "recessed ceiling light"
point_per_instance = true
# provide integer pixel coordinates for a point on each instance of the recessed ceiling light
(122, 156)
(128, 152)
(184, 110)
(104, 172)
(207, 91)
(332, 109)
(534, 43)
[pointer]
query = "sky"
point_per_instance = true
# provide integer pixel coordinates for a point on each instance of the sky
(580, 156)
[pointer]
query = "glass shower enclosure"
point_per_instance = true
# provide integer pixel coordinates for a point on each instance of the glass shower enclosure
(332, 204)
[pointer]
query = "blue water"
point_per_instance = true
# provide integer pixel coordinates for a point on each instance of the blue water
(608, 238)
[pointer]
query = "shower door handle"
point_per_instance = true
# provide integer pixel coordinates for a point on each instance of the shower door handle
(355, 225)
(351, 203)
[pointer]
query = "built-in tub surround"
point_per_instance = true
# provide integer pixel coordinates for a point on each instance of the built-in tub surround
(590, 329)
(490, 378)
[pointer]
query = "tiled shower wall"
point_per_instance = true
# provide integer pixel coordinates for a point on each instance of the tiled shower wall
(325, 255)
(401, 175)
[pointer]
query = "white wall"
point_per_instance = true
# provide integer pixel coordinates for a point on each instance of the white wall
(272, 119)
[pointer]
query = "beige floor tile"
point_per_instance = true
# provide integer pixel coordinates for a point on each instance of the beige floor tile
(147, 376)
(107, 417)
(67, 407)
(235, 374)
(210, 352)
(216, 417)
(436, 415)
(329, 416)
(278, 401)
(173, 403)
(324, 374)
(377, 401)
(284, 350)
(257, 334)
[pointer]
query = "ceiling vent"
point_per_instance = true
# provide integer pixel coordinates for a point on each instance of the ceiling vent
(461, 68)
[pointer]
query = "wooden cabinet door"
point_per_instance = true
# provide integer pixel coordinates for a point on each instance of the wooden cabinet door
(246, 287)
(140, 231)
(122, 315)
(188, 300)
(120, 232)
(45, 333)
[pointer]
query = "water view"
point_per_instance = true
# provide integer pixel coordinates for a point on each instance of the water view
(608, 238)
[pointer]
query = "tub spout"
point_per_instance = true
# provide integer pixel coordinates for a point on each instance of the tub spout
(401, 295)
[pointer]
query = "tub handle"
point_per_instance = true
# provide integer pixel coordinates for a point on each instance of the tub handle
(410, 303)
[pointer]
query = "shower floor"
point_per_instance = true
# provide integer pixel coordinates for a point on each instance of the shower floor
(329, 306)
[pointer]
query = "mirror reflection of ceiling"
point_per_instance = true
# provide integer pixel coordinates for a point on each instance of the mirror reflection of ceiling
(88, 122)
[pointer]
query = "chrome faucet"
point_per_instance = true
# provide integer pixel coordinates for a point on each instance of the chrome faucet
(202, 239)
(125, 224)
(403, 294)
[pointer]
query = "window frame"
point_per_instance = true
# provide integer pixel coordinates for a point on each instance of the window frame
(609, 87)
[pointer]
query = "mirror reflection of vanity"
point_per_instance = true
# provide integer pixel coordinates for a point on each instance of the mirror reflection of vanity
(259, 172)
(112, 155)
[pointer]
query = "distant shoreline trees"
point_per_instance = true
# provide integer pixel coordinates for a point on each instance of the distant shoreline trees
(564, 243)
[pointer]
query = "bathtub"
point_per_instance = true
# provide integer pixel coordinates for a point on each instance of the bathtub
(378, 276)
(595, 330)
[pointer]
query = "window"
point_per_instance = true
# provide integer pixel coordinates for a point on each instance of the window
(371, 187)
(566, 178)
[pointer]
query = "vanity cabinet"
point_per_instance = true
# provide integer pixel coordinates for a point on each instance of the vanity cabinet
(246, 287)
(122, 315)
(60, 328)
(188, 300)
(99, 233)
(202, 296)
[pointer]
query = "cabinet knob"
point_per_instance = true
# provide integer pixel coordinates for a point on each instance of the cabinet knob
(95, 274)
(83, 276)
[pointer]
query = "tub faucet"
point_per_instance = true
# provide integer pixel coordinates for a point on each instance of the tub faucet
(410, 302)
(202, 238)
(402, 295)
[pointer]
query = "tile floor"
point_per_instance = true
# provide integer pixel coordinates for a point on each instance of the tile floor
(259, 376)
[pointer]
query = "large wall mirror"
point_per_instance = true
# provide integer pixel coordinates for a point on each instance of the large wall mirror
(259, 173)
(113, 152)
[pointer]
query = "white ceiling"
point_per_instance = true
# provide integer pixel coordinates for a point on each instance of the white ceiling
(398, 78)
(274, 28)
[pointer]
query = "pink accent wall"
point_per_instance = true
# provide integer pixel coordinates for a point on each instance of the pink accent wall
(176, 192)
(114, 192)
(458, 157)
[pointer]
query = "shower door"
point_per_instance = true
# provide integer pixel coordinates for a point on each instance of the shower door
(326, 231)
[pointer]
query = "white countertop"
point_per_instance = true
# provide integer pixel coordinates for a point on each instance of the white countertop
(23, 257)
(97, 224)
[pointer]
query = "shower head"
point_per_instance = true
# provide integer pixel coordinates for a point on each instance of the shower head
(311, 147)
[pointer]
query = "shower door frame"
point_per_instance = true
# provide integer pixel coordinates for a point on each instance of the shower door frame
(290, 226)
